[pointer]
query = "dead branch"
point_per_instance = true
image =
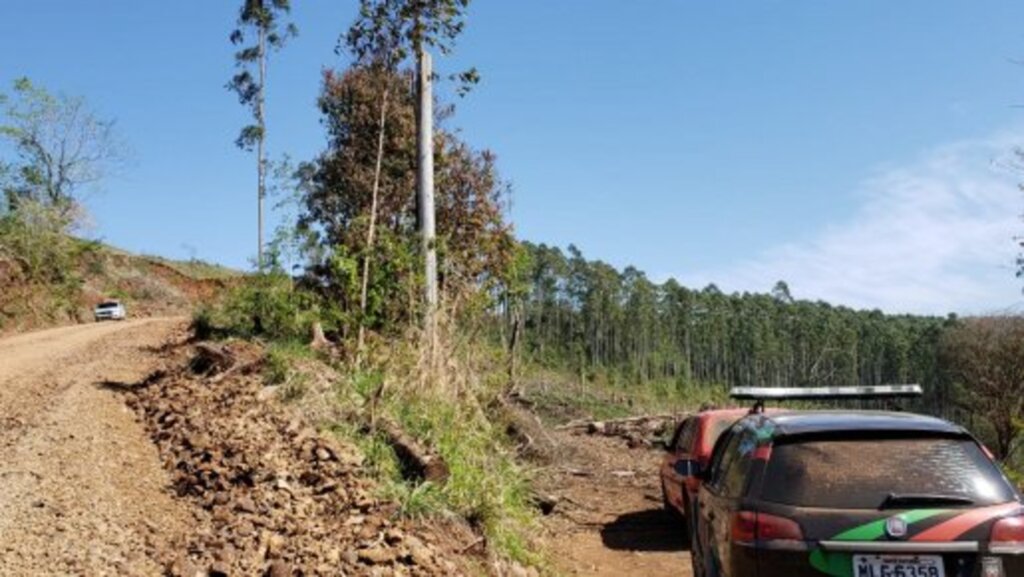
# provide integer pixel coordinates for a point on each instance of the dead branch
(417, 461)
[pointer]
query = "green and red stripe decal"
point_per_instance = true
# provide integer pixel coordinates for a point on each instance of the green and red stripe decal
(841, 564)
(957, 526)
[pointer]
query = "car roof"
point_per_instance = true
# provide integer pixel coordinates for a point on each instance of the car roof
(731, 413)
(711, 414)
(809, 422)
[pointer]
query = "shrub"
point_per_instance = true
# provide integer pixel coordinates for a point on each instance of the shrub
(41, 256)
(267, 306)
(34, 236)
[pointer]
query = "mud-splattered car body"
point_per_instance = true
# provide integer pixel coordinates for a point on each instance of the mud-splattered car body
(694, 439)
(855, 494)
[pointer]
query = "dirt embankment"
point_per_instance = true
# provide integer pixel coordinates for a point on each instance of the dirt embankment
(268, 494)
(118, 457)
(148, 286)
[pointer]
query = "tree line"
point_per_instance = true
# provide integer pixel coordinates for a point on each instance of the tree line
(590, 314)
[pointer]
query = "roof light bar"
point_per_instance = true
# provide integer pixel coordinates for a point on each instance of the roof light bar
(824, 393)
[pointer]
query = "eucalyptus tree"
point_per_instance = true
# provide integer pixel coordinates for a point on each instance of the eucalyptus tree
(585, 314)
(258, 31)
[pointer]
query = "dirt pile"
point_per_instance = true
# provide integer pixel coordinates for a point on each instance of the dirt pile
(271, 495)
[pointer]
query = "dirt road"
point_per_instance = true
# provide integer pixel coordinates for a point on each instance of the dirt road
(82, 490)
(609, 520)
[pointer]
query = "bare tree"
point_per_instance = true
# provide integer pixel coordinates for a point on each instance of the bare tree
(60, 145)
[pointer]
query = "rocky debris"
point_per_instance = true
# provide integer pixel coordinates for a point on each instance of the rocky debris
(271, 495)
(212, 358)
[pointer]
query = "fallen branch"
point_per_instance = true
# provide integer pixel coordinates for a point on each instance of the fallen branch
(595, 427)
(242, 368)
(417, 462)
(476, 542)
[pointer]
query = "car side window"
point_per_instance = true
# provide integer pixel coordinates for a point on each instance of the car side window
(734, 477)
(723, 457)
(685, 439)
(678, 435)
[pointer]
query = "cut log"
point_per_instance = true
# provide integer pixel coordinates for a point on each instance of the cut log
(239, 368)
(417, 462)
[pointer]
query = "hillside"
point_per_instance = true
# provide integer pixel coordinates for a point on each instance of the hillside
(147, 285)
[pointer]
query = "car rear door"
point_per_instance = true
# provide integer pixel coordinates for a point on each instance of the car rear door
(680, 449)
(720, 500)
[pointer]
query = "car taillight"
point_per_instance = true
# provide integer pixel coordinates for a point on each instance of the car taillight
(748, 527)
(1009, 531)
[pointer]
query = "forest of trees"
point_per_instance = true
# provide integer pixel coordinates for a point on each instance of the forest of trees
(601, 322)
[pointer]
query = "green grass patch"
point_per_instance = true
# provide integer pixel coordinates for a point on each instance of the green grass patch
(282, 368)
(560, 396)
(486, 486)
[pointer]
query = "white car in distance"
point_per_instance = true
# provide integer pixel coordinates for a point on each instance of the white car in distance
(110, 311)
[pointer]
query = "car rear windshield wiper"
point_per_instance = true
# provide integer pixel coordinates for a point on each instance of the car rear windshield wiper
(916, 499)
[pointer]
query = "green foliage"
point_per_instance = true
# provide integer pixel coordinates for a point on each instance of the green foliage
(60, 145)
(475, 245)
(265, 306)
(486, 486)
(37, 256)
(262, 18)
(589, 318)
(35, 236)
(389, 32)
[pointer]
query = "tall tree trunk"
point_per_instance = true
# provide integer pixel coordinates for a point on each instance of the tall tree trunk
(261, 166)
(372, 229)
(425, 183)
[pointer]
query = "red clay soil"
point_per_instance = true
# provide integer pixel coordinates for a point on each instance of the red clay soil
(609, 519)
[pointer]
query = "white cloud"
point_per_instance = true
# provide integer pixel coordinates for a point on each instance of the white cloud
(932, 237)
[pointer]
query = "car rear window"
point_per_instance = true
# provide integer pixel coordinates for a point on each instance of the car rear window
(862, 473)
(107, 306)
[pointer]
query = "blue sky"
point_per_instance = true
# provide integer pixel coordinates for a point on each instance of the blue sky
(853, 149)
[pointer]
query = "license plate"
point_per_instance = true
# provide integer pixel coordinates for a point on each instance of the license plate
(898, 566)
